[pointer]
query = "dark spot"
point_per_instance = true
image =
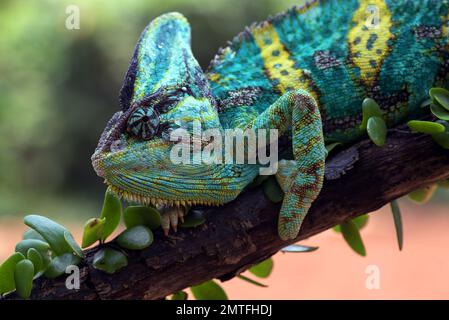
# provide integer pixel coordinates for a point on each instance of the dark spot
(275, 81)
(275, 53)
(243, 96)
(324, 59)
(373, 63)
(427, 32)
(357, 41)
(267, 41)
(284, 72)
(145, 118)
(371, 40)
(378, 51)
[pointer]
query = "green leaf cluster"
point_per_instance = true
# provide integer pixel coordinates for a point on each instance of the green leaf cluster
(47, 249)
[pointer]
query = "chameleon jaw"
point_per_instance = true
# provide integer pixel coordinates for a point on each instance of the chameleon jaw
(171, 211)
(146, 200)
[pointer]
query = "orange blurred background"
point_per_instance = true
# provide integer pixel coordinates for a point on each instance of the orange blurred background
(334, 271)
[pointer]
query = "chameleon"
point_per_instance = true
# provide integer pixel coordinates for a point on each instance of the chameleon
(304, 72)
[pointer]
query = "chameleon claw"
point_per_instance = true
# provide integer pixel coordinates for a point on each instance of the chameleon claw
(173, 215)
(170, 217)
(181, 213)
(165, 223)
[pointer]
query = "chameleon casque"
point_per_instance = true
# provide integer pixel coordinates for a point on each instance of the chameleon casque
(304, 72)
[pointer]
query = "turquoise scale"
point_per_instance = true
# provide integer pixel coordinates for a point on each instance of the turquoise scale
(326, 27)
(339, 95)
(417, 65)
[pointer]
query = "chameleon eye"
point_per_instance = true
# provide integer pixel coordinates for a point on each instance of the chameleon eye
(144, 123)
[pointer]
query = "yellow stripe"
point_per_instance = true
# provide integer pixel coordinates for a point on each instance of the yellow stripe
(278, 62)
(368, 43)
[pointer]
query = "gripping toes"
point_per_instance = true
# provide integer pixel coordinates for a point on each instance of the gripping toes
(170, 217)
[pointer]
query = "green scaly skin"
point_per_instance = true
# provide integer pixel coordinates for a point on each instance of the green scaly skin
(304, 72)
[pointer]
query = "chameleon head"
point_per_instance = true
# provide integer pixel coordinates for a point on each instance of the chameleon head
(164, 89)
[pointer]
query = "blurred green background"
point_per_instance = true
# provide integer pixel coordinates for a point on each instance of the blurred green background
(59, 87)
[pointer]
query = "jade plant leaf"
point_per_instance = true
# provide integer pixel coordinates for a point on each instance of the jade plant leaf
(370, 108)
(209, 290)
(46, 259)
(180, 295)
(428, 127)
(194, 219)
(257, 283)
(440, 96)
(7, 269)
(59, 264)
(298, 248)
(73, 244)
(439, 112)
(111, 213)
(92, 231)
(135, 238)
(23, 277)
(397, 222)
(262, 269)
(359, 222)
(52, 232)
(32, 234)
(377, 130)
(272, 190)
(109, 260)
(352, 236)
(142, 215)
(422, 195)
(442, 139)
(39, 245)
(37, 251)
(35, 257)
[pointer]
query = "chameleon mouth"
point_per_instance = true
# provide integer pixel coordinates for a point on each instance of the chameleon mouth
(146, 200)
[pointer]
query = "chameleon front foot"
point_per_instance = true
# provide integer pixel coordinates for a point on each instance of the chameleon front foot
(170, 217)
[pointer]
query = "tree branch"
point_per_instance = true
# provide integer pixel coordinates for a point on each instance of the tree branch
(244, 232)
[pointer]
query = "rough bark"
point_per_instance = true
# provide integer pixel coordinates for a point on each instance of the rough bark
(243, 232)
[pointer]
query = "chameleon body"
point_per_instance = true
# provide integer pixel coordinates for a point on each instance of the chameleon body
(304, 72)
